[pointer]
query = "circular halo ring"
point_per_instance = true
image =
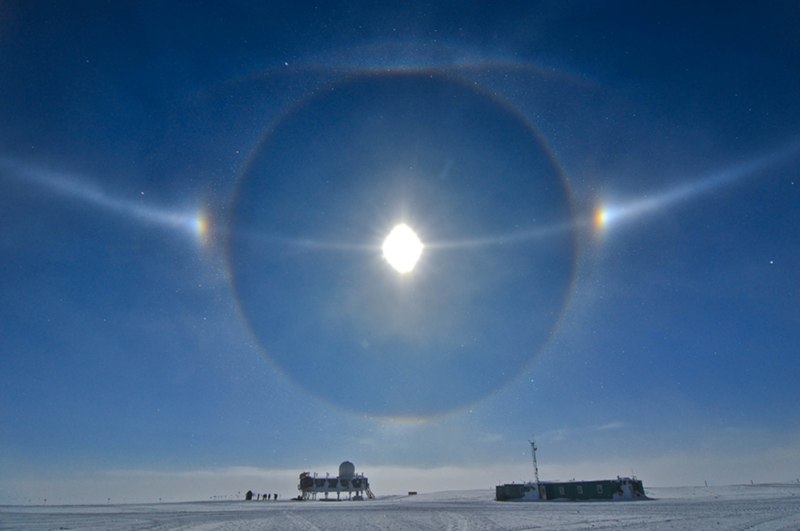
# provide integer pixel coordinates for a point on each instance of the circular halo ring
(281, 243)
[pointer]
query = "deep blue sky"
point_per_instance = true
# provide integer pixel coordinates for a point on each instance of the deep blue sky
(136, 346)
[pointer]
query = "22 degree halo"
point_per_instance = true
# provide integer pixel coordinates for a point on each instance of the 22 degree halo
(309, 268)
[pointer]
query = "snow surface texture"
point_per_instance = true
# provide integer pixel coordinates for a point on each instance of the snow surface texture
(763, 507)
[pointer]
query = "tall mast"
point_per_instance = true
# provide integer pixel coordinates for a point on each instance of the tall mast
(535, 466)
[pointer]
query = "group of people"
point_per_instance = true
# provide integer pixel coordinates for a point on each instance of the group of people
(261, 497)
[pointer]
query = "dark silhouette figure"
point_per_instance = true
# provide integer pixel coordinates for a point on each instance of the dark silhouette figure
(276, 497)
(249, 495)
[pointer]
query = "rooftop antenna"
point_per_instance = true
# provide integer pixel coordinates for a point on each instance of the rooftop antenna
(535, 465)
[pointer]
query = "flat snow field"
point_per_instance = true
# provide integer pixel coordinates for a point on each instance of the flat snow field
(762, 507)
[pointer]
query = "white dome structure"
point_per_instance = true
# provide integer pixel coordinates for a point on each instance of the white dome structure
(347, 470)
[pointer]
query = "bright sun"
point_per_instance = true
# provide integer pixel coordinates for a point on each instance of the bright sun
(402, 248)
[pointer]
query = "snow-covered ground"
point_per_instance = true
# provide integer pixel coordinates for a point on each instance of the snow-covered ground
(765, 507)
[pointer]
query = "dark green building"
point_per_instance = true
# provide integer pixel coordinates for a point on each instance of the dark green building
(602, 489)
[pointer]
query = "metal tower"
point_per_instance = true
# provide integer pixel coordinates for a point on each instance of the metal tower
(535, 465)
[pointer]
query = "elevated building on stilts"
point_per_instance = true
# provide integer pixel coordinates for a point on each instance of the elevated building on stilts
(347, 483)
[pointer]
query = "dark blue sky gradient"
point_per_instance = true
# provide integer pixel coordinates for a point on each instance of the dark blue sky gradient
(665, 341)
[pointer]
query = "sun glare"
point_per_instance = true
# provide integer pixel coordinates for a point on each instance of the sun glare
(402, 248)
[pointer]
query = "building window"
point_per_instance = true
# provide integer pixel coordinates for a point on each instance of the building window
(580, 489)
(599, 489)
(561, 490)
